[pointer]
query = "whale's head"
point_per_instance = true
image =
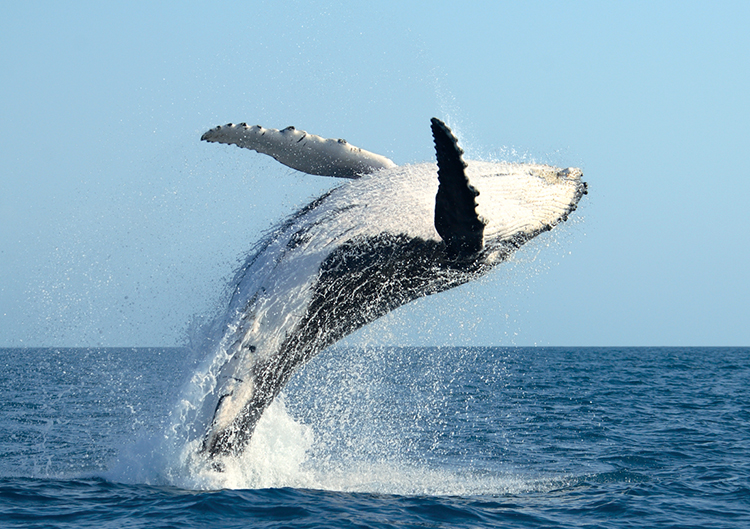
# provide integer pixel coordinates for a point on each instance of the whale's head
(490, 208)
(516, 202)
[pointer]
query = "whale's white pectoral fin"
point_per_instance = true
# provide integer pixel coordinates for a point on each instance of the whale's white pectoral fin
(301, 151)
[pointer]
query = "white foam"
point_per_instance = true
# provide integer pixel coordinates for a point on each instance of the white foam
(283, 453)
(274, 458)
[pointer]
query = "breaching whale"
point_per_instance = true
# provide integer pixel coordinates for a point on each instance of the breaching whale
(388, 235)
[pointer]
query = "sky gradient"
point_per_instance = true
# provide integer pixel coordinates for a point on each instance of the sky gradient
(118, 227)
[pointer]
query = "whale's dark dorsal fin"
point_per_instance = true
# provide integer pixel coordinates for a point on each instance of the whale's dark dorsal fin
(456, 219)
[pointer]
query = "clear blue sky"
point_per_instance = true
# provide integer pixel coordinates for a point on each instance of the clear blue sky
(118, 226)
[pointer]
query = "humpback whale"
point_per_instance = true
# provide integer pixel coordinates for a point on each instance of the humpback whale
(388, 235)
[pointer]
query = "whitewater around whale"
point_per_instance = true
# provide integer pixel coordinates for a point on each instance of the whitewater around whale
(388, 235)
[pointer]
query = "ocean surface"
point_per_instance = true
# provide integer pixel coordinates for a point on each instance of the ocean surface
(388, 437)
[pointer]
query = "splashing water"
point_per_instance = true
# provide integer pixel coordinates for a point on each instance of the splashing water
(345, 260)
(374, 420)
(274, 458)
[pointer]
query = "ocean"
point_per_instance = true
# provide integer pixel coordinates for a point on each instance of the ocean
(388, 437)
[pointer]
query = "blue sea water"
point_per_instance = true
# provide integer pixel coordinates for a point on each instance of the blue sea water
(389, 437)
